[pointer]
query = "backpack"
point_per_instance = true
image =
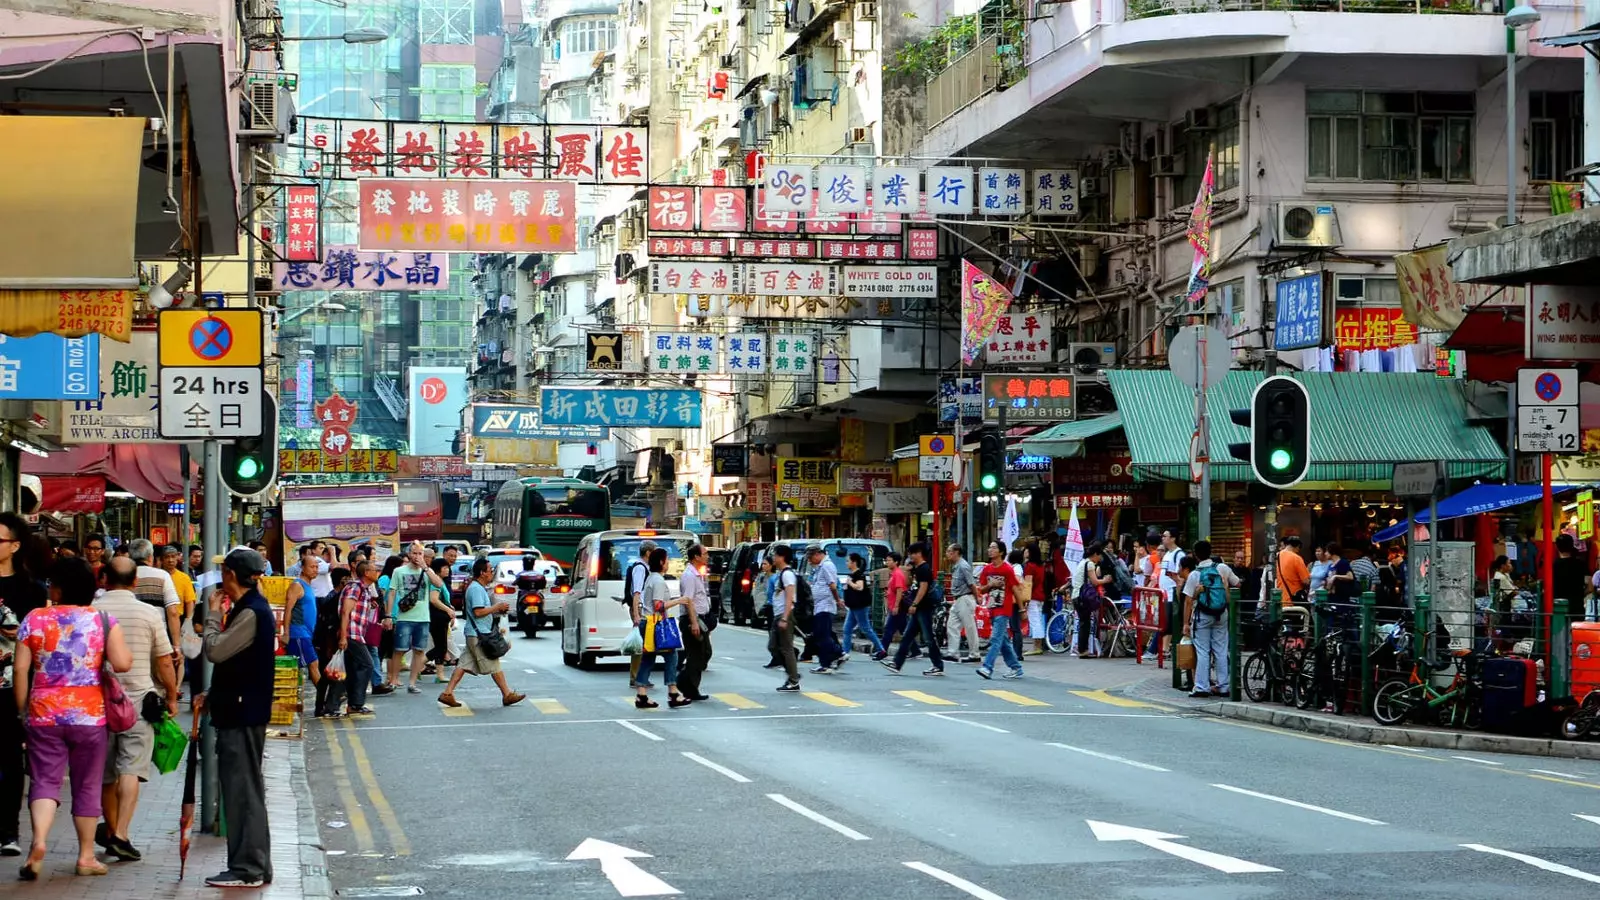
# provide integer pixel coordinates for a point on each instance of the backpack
(1121, 577)
(627, 582)
(804, 606)
(1212, 598)
(327, 631)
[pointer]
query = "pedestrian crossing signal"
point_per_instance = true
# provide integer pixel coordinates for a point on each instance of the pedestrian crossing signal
(249, 465)
(1279, 423)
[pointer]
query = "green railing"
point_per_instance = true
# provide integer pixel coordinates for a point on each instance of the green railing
(1144, 9)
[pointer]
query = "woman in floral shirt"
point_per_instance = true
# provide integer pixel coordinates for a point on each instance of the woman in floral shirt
(59, 657)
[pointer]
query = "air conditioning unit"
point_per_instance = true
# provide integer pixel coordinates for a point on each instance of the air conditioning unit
(1092, 186)
(866, 11)
(1090, 360)
(1167, 165)
(729, 61)
(860, 134)
(843, 32)
(1307, 224)
(263, 105)
(1200, 119)
(1110, 158)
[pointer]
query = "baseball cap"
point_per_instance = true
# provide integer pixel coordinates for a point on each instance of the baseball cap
(814, 547)
(245, 562)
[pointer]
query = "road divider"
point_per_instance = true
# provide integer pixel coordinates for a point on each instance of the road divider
(817, 817)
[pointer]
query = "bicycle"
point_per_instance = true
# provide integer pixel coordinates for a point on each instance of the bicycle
(1271, 673)
(1119, 635)
(1585, 720)
(1323, 669)
(1061, 625)
(1458, 705)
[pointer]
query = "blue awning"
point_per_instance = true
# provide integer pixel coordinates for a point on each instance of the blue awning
(1480, 498)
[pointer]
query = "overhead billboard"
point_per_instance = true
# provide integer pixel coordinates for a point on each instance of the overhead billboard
(437, 394)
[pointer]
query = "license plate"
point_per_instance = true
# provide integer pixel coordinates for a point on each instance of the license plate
(533, 608)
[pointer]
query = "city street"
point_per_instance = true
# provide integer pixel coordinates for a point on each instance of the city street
(911, 787)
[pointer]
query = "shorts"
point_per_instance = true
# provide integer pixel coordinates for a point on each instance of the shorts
(53, 751)
(474, 662)
(128, 753)
(302, 649)
(410, 636)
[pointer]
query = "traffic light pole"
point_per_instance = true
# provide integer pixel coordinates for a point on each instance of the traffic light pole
(211, 529)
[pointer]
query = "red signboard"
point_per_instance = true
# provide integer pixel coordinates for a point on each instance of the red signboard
(1372, 328)
(434, 467)
(722, 209)
(671, 209)
(844, 248)
(302, 242)
(468, 216)
(772, 221)
(922, 243)
(1095, 501)
(1093, 470)
(770, 248)
(683, 246)
(72, 494)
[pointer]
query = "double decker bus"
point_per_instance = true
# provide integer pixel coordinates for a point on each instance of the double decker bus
(550, 514)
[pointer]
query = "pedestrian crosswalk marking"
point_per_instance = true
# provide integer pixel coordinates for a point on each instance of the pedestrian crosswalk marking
(1014, 697)
(737, 701)
(830, 699)
(1114, 700)
(462, 710)
(929, 699)
(549, 706)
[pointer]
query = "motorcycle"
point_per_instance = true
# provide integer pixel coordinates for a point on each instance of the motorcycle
(529, 605)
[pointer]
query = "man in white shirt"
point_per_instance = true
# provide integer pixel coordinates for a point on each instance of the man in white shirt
(154, 586)
(1205, 620)
(634, 578)
(694, 622)
(824, 581)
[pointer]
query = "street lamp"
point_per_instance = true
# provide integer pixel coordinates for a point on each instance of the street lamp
(355, 36)
(1520, 17)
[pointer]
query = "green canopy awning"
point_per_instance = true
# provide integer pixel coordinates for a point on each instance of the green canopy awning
(1067, 438)
(1362, 424)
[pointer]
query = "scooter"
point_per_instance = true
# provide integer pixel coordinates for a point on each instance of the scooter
(530, 587)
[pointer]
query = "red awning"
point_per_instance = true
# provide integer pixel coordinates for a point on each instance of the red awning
(71, 494)
(148, 471)
(1494, 342)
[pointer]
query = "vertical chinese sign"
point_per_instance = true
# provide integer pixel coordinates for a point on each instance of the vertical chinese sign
(303, 234)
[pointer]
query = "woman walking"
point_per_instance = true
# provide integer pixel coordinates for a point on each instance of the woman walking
(1034, 571)
(858, 607)
(60, 657)
(656, 605)
(385, 646)
(441, 621)
(21, 592)
(481, 612)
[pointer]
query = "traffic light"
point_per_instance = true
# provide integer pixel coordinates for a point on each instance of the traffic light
(249, 465)
(1279, 423)
(991, 462)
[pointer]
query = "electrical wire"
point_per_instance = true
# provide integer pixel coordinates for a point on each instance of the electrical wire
(44, 67)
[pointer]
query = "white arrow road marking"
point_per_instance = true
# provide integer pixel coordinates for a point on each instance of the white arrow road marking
(955, 881)
(817, 817)
(617, 864)
(1298, 805)
(1160, 840)
(1537, 863)
(1594, 819)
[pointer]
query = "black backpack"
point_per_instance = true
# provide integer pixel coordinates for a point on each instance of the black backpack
(804, 605)
(327, 631)
(627, 583)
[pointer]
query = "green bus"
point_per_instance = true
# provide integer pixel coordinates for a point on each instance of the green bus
(550, 514)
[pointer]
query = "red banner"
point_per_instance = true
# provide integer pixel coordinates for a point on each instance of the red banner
(468, 216)
(71, 494)
(1372, 328)
(302, 243)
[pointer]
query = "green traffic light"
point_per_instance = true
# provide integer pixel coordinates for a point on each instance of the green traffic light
(989, 481)
(1280, 459)
(248, 467)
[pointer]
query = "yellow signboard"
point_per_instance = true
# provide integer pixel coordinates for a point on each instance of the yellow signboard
(1585, 515)
(354, 462)
(807, 485)
(514, 451)
(67, 313)
(198, 337)
(936, 445)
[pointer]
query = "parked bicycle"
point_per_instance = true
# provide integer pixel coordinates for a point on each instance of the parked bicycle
(1272, 672)
(1062, 623)
(1459, 705)
(1324, 673)
(1119, 635)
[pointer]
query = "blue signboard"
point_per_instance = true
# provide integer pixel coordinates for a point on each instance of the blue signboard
(1300, 313)
(490, 420)
(57, 368)
(623, 407)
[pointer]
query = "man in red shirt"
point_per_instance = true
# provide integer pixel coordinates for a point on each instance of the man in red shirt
(997, 585)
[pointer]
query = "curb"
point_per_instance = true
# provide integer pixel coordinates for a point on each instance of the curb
(314, 883)
(1372, 733)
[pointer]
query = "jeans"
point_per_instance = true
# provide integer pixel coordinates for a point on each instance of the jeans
(244, 796)
(963, 615)
(1210, 634)
(999, 646)
(377, 664)
(828, 652)
(647, 662)
(862, 619)
(696, 653)
(924, 622)
(895, 624)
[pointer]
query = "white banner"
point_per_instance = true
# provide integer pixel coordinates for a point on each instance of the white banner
(681, 352)
(889, 281)
(900, 501)
(693, 277)
(1021, 338)
(786, 279)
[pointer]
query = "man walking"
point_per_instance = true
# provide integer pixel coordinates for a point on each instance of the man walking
(783, 619)
(128, 753)
(920, 599)
(240, 646)
(694, 625)
(407, 607)
(824, 582)
(633, 583)
(1205, 620)
(300, 617)
(358, 622)
(963, 606)
(1000, 598)
(155, 587)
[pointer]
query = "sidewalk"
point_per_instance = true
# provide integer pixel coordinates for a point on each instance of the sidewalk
(297, 859)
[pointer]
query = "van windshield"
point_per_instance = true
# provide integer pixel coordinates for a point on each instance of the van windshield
(617, 553)
(875, 555)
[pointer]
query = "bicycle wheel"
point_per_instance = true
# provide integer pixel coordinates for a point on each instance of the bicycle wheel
(1582, 722)
(1256, 685)
(1058, 631)
(1303, 687)
(1393, 702)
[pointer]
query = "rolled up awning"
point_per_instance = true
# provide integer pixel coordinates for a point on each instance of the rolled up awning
(1480, 498)
(72, 494)
(148, 471)
(1067, 439)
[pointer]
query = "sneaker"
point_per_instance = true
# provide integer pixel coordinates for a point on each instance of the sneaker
(10, 848)
(839, 663)
(1199, 695)
(123, 850)
(985, 674)
(934, 673)
(413, 689)
(880, 656)
(821, 670)
(888, 664)
(789, 687)
(1014, 673)
(231, 880)
(1146, 657)
(772, 665)
(1073, 654)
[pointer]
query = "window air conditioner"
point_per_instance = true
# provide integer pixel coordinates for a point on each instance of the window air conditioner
(1090, 360)
(1308, 224)
(1167, 166)
(1200, 119)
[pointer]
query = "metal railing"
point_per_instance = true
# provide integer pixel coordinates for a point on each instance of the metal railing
(970, 76)
(1144, 9)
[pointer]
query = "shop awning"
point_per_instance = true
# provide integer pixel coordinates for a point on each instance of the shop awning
(149, 471)
(1480, 498)
(1067, 438)
(72, 494)
(1362, 424)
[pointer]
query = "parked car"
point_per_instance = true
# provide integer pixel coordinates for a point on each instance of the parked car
(744, 563)
(597, 619)
(874, 553)
(717, 559)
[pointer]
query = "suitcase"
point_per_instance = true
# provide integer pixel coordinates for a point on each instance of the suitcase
(1510, 693)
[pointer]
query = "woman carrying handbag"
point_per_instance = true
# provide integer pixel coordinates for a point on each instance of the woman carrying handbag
(658, 625)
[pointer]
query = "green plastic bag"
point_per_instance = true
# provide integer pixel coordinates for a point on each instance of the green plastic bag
(170, 744)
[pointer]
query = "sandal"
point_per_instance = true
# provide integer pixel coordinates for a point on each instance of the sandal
(30, 869)
(678, 701)
(640, 701)
(96, 869)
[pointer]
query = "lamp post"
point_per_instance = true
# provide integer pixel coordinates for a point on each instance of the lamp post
(1518, 18)
(355, 36)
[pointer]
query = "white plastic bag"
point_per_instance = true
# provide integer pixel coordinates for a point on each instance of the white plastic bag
(335, 667)
(633, 644)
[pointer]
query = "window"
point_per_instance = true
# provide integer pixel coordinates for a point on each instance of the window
(447, 91)
(445, 21)
(1389, 136)
(586, 232)
(1194, 143)
(588, 36)
(576, 99)
(1555, 134)
(1367, 290)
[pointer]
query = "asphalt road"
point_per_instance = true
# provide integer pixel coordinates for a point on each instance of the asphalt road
(911, 787)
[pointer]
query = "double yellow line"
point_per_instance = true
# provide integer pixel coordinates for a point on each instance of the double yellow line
(359, 824)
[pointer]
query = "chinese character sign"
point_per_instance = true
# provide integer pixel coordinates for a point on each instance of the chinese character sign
(521, 151)
(363, 148)
(896, 189)
(1055, 192)
(790, 280)
(690, 277)
(722, 209)
(841, 189)
(1029, 398)
(468, 150)
(773, 220)
(671, 209)
(622, 407)
(949, 190)
(417, 149)
(1021, 338)
(1300, 312)
(787, 189)
(1002, 192)
(680, 352)
(467, 216)
(807, 485)
(572, 152)
(747, 353)
(1372, 328)
(624, 155)
(794, 354)
(344, 268)
(56, 368)
(302, 231)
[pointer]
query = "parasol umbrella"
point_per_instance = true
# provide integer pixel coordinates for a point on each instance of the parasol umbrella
(186, 817)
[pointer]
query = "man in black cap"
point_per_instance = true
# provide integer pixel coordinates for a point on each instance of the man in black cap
(241, 646)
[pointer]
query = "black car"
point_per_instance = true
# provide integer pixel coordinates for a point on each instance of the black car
(744, 564)
(717, 559)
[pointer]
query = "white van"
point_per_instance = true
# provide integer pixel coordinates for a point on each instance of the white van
(596, 620)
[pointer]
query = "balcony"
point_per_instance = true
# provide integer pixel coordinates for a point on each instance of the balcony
(970, 76)
(1145, 9)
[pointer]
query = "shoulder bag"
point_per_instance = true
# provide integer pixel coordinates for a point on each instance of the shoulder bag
(492, 644)
(120, 714)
